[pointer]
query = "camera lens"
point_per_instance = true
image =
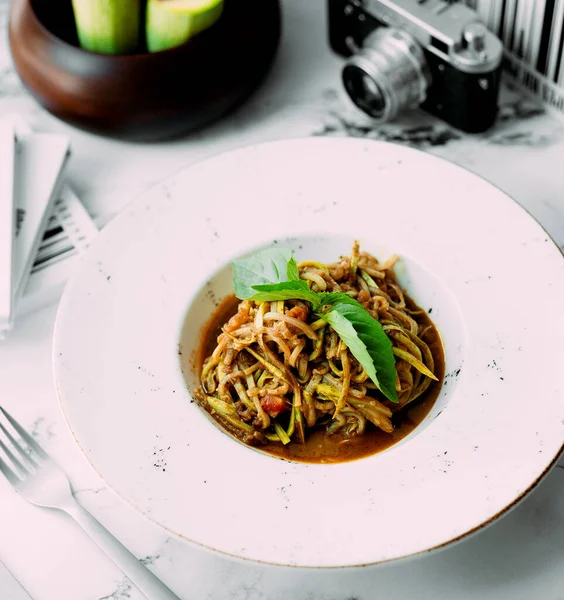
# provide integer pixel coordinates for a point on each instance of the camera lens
(388, 75)
(365, 92)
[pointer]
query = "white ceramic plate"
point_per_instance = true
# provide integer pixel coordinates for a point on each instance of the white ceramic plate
(493, 278)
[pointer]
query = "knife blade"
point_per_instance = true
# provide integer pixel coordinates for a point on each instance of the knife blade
(10, 587)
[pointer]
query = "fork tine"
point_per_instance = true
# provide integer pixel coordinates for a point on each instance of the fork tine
(8, 473)
(25, 435)
(14, 460)
(27, 458)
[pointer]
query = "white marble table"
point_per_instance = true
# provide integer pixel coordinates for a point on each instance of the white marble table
(519, 557)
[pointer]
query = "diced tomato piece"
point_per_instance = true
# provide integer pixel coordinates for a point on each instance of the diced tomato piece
(273, 405)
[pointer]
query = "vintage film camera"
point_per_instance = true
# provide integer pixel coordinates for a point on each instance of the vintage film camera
(407, 53)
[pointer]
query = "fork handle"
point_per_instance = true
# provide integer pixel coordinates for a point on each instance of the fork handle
(152, 587)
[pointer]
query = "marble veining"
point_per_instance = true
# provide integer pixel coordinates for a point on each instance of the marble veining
(89, 490)
(42, 431)
(519, 557)
(420, 136)
(123, 590)
(340, 119)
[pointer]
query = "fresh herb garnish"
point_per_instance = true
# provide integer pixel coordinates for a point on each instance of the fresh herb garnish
(271, 266)
(367, 342)
(287, 290)
(272, 275)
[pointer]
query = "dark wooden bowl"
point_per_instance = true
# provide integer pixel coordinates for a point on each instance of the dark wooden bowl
(143, 97)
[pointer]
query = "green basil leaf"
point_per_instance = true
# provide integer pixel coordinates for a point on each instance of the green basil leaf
(292, 272)
(266, 267)
(288, 290)
(300, 284)
(368, 343)
(336, 298)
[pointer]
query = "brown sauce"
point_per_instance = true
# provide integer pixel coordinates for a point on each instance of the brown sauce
(320, 447)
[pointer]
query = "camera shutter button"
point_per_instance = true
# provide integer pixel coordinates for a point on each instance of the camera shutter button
(475, 38)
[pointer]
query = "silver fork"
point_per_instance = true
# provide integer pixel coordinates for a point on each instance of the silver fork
(37, 477)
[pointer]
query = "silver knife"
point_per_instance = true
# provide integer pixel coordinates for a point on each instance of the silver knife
(10, 587)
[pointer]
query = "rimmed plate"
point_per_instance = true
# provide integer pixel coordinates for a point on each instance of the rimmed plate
(492, 276)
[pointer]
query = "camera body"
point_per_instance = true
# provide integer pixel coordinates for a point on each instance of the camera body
(429, 53)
